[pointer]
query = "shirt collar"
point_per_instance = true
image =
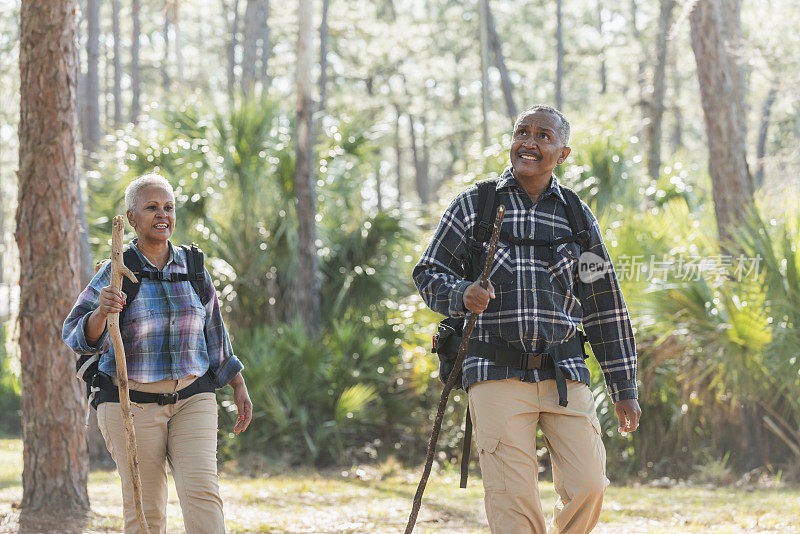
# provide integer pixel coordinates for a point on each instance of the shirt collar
(507, 179)
(176, 258)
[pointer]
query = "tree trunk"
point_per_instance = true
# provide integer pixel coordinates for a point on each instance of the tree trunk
(117, 63)
(761, 149)
(500, 63)
(305, 188)
(165, 81)
(266, 48)
(643, 61)
(657, 100)
(323, 57)
(398, 155)
(254, 16)
(232, 44)
(136, 75)
(55, 466)
(420, 167)
(484, 42)
(676, 138)
(559, 56)
(601, 33)
(719, 90)
(91, 141)
(176, 26)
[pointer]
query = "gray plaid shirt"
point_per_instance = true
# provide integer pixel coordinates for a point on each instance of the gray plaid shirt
(540, 299)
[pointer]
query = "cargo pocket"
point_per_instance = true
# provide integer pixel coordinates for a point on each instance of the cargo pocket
(492, 467)
(599, 447)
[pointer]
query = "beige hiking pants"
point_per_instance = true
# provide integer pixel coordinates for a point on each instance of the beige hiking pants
(505, 415)
(184, 435)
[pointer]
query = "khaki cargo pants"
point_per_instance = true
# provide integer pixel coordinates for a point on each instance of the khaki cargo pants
(183, 435)
(505, 415)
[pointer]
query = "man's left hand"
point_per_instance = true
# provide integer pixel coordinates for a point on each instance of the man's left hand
(628, 413)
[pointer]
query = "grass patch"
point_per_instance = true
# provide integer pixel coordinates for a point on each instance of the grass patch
(332, 502)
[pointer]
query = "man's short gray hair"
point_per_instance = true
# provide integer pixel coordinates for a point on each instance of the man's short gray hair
(563, 132)
(136, 186)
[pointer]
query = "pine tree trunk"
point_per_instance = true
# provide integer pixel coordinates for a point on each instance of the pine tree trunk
(420, 165)
(720, 88)
(165, 80)
(91, 141)
(232, 44)
(55, 465)
(117, 63)
(305, 188)
(559, 56)
(253, 27)
(176, 26)
(484, 42)
(500, 63)
(763, 130)
(659, 89)
(266, 48)
(136, 74)
(601, 33)
(676, 138)
(323, 57)
(398, 155)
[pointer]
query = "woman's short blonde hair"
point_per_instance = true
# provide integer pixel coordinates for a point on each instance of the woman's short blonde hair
(136, 186)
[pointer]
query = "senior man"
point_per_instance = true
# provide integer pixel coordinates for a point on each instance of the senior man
(525, 366)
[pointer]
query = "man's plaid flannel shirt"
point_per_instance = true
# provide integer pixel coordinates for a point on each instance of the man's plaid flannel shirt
(540, 299)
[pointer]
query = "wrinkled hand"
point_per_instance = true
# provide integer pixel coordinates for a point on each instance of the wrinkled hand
(111, 301)
(628, 413)
(476, 299)
(243, 405)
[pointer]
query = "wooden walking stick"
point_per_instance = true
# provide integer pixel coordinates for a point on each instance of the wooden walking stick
(118, 269)
(451, 380)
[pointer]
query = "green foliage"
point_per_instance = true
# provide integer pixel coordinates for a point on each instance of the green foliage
(10, 405)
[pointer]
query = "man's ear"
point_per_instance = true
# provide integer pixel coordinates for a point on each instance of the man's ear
(129, 214)
(564, 153)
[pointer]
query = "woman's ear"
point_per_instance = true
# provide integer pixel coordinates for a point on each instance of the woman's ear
(564, 153)
(129, 214)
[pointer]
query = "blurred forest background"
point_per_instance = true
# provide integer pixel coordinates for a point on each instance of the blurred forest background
(693, 177)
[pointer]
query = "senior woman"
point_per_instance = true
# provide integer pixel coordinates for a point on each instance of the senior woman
(174, 344)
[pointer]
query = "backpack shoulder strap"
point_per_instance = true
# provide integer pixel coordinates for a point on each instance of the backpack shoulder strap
(482, 230)
(194, 268)
(576, 217)
(131, 260)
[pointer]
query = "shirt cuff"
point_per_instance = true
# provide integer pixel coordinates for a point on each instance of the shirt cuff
(456, 307)
(100, 346)
(229, 368)
(622, 390)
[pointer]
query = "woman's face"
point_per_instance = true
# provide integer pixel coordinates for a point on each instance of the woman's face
(154, 215)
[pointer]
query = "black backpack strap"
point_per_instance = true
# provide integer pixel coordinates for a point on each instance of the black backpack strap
(482, 229)
(131, 260)
(195, 270)
(576, 218)
(466, 447)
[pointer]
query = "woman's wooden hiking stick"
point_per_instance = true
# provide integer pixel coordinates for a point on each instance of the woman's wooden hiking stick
(118, 269)
(454, 374)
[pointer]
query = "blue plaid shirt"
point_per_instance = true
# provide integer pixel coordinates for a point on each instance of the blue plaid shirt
(540, 299)
(167, 332)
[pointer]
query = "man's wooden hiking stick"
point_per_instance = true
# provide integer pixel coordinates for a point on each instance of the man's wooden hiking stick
(454, 374)
(117, 270)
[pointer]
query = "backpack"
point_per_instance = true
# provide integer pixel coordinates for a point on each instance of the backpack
(87, 365)
(451, 328)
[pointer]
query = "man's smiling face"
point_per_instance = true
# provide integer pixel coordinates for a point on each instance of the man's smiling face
(536, 146)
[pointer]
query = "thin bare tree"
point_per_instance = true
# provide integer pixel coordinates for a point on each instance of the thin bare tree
(308, 283)
(559, 55)
(92, 133)
(659, 89)
(500, 63)
(484, 44)
(115, 30)
(135, 69)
